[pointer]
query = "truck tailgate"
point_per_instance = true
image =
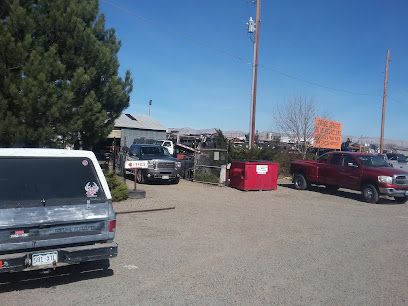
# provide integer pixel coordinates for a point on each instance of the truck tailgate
(38, 227)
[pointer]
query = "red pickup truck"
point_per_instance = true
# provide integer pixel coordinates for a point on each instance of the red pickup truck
(369, 173)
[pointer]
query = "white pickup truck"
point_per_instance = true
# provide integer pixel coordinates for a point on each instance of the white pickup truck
(168, 144)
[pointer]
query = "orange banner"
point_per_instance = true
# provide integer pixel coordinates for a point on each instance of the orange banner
(327, 134)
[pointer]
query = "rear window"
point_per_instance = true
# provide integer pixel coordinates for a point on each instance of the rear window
(49, 180)
(153, 150)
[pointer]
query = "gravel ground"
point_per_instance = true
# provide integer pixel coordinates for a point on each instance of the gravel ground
(221, 246)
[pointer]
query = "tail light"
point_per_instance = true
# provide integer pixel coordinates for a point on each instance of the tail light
(111, 226)
(1, 264)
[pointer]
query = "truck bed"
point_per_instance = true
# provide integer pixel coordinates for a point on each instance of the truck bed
(310, 168)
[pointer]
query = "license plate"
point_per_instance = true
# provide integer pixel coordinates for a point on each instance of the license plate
(165, 177)
(44, 259)
(406, 193)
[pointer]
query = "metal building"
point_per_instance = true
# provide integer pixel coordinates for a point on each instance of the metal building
(130, 127)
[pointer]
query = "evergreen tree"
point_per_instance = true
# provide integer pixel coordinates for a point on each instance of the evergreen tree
(58, 73)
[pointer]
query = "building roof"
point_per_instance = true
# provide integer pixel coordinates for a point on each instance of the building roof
(140, 122)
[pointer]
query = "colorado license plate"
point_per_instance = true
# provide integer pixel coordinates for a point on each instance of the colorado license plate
(44, 259)
(406, 193)
(165, 177)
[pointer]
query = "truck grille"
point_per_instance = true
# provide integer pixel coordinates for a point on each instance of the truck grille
(401, 180)
(165, 165)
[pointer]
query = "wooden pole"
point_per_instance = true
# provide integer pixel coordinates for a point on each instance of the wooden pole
(255, 75)
(387, 60)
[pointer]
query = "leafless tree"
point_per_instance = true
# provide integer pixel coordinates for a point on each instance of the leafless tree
(295, 119)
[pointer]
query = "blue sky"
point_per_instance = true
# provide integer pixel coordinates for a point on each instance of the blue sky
(192, 58)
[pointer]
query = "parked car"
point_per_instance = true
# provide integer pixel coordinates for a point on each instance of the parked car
(369, 173)
(398, 160)
(161, 165)
(55, 210)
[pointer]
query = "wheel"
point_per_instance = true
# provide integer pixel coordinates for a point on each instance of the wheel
(401, 200)
(370, 193)
(175, 181)
(102, 264)
(140, 177)
(300, 182)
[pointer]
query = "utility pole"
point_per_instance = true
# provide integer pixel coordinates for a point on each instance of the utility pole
(387, 60)
(255, 29)
(150, 105)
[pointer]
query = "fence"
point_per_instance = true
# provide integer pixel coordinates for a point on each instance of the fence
(210, 166)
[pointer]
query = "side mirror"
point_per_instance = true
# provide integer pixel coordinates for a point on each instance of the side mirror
(352, 165)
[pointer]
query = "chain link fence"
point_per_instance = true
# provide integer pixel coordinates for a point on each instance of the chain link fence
(210, 166)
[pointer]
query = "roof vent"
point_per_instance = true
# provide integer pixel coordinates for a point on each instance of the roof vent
(131, 117)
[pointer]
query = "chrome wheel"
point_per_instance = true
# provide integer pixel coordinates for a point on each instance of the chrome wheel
(300, 182)
(370, 194)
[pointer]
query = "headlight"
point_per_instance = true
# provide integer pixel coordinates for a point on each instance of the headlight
(151, 164)
(385, 179)
(178, 164)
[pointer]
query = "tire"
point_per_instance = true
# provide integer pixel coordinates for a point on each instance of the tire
(300, 182)
(140, 177)
(370, 193)
(175, 181)
(401, 200)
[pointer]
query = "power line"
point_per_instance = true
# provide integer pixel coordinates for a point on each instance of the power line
(177, 34)
(318, 84)
(236, 57)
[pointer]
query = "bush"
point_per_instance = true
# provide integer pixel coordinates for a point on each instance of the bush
(201, 175)
(118, 188)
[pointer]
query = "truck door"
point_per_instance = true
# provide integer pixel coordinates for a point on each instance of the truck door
(322, 172)
(332, 170)
(350, 173)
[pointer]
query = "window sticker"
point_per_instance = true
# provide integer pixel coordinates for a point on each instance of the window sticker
(91, 189)
(85, 163)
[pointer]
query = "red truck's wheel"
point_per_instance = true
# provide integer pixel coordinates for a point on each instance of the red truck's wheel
(370, 193)
(300, 182)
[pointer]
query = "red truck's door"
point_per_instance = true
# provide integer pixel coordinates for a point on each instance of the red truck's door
(330, 173)
(350, 173)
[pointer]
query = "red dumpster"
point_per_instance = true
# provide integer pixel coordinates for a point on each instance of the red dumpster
(254, 175)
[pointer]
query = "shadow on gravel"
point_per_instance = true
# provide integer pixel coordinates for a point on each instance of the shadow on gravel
(39, 279)
(341, 193)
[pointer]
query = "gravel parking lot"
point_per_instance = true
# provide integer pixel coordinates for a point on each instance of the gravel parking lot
(221, 246)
